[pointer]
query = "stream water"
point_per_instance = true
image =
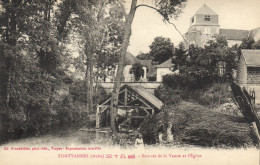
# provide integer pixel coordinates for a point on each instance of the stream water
(66, 138)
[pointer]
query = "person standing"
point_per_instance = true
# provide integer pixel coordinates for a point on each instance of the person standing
(160, 131)
(139, 143)
(170, 132)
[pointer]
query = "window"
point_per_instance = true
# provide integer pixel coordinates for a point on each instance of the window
(207, 18)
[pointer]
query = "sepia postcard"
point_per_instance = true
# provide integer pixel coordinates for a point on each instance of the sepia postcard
(130, 82)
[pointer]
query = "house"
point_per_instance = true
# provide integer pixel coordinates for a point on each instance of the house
(164, 69)
(204, 25)
(248, 72)
(151, 70)
(128, 75)
(234, 36)
(135, 104)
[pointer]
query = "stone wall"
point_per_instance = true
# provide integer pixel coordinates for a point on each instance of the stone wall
(253, 75)
(150, 86)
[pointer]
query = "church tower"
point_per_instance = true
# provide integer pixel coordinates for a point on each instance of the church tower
(203, 26)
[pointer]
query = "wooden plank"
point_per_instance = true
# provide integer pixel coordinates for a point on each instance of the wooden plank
(110, 98)
(125, 101)
(146, 111)
(245, 103)
(255, 130)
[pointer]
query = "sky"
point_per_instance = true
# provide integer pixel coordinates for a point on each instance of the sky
(148, 24)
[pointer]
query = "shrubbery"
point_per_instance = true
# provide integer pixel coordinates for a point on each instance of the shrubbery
(39, 116)
(196, 125)
(204, 91)
(168, 95)
(189, 82)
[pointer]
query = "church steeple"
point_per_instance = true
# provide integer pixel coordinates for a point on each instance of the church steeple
(205, 16)
(203, 26)
(206, 10)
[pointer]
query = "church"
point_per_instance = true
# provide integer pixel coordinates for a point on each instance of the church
(204, 25)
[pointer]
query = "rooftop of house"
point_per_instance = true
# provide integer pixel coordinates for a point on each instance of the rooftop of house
(167, 64)
(151, 68)
(205, 10)
(254, 32)
(252, 57)
(144, 94)
(234, 34)
(147, 96)
(131, 59)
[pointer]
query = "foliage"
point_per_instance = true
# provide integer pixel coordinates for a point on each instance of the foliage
(188, 81)
(167, 95)
(179, 56)
(256, 45)
(196, 125)
(247, 43)
(34, 63)
(216, 60)
(203, 91)
(137, 70)
(144, 56)
(161, 49)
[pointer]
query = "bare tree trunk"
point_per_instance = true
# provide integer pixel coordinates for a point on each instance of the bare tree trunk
(117, 84)
(11, 40)
(91, 82)
(87, 76)
(97, 75)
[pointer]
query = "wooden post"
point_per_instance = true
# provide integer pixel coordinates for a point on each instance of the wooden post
(125, 100)
(97, 118)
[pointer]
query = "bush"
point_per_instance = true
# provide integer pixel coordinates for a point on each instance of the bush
(180, 87)
(167, 95)
(197, 125)
(188, 82)
(215, 95)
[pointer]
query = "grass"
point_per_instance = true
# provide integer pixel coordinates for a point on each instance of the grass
(195, 124)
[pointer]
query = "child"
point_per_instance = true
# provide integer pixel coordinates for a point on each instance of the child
(170, 132)
(160, 131)
(139, 141)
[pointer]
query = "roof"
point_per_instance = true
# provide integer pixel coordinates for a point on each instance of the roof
(147, 63)
(167, 64)
(146, 95)
(151, 68)
(252, 57)
(131, 59)
(205, 10)
(234, 34)
(254, 32)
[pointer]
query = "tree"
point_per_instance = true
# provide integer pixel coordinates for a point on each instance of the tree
(256, 45)
(161, 49)
(99, 29)
(179, 57)
(210, 63)
(138, 71)
(144, 56)
(167, 9)
(247, 43)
